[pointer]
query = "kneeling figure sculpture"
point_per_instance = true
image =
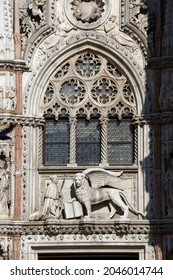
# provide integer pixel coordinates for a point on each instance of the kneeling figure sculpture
(96, 185)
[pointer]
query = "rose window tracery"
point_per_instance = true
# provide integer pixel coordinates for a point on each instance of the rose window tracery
(104, 91)
(88, 65)
(72, 91)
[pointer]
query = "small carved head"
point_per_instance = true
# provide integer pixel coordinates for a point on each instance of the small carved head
(54, 178)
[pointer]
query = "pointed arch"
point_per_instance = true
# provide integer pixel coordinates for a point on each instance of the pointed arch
(127, 64)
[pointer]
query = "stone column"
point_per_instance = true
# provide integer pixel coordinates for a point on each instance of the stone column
(73, 124)
(18, 172)
(17, 36)
(16, 248)
(104, 141)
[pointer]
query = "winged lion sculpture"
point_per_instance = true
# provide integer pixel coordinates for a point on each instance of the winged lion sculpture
(95, 185)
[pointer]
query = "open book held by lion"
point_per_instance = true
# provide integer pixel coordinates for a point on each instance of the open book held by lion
(96, 185)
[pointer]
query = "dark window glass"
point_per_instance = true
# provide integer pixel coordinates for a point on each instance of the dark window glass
(120, 142)
(57, 138)
(88, 142)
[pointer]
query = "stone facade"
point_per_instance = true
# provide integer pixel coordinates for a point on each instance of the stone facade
(68, 67)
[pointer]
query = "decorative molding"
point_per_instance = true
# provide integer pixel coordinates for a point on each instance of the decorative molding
(22, 120)
(117, 228)
(14, 65)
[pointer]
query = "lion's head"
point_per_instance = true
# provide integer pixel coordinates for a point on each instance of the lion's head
(79, 180)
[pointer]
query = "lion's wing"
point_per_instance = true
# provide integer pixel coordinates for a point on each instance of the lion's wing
(100, 177)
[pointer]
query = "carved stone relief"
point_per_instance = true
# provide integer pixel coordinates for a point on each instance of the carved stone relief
(63, 28)
(94, 186)
(5, 245)
(87, 11)
(111, 28)
(32, 17)
(138, 15)
(134, 22)
(4, 189)
(52, 205)
(85, 14)
(76, 197)
(7, 92)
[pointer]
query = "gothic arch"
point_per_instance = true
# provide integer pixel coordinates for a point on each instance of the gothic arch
(125, 60)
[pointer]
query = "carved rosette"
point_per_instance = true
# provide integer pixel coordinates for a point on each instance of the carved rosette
(87, 15)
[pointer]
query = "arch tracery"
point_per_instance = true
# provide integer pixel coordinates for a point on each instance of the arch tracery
(88, 82)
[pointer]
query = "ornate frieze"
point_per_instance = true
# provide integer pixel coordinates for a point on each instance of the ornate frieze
(87, 228)
(24, 121)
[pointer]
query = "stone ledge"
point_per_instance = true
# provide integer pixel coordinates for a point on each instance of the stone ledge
(85, 227)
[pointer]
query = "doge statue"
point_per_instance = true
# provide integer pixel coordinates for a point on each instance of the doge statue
(96, 185)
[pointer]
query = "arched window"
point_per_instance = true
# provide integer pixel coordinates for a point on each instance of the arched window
(88, 106)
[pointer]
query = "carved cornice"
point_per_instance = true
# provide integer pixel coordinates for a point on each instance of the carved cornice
(15, 65)
(87, 228)
(22, 120)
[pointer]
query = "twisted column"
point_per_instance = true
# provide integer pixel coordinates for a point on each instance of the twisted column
(104, 140)
(135, 133)
(73, 124)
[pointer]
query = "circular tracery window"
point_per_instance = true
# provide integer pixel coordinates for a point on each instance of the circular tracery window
(72, 91)
(104, 91)
(88, 65)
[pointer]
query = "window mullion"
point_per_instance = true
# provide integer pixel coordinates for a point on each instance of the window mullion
(73, 125)
(104, 141)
